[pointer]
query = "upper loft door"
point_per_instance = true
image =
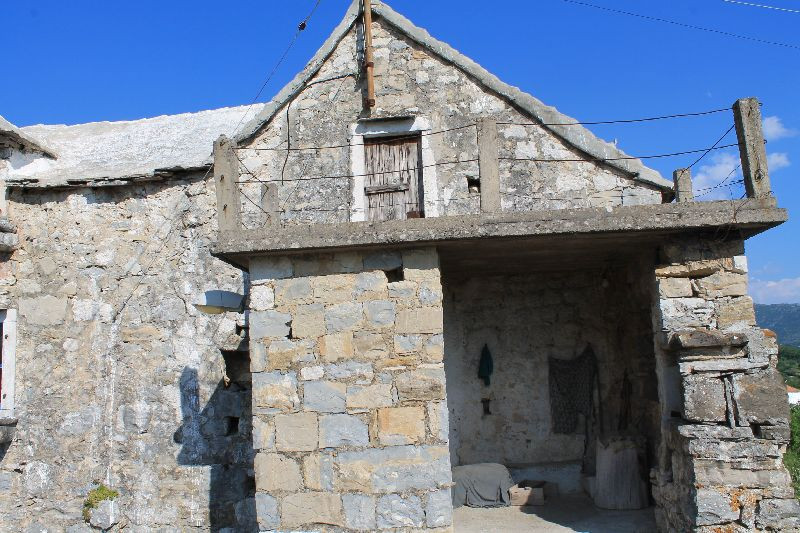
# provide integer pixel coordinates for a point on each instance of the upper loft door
(393, 178)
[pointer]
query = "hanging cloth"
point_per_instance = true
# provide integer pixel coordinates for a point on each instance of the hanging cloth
(486, 365)
(572, 385)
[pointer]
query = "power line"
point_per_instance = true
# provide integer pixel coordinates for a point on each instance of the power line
(300, 28)
(713, 147)
(691, 26)
(594, 160)
(306, 148)
(623, 121)
(763, 6)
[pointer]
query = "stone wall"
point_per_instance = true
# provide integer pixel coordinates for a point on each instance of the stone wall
(119, 379)
(350, 423)
(725, 409)
(410, 81)
(525, 319)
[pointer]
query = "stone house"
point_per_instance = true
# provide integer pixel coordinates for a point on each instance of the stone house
(392, 215)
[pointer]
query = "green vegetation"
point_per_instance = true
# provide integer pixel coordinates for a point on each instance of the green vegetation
(789, 365)
(792, 457)
(95, 496)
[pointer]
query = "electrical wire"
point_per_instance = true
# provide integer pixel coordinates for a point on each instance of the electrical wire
(624, 121)
(300, 27)
(691, 26)
(763, 6)
(598, 160)
(713, 147)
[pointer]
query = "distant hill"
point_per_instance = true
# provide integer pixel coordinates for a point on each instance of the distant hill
(783, 319)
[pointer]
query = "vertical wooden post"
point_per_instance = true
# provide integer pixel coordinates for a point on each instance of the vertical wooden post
(226, 176)
(747, 118)
(682, 179)
(369, 63)
(489, 165)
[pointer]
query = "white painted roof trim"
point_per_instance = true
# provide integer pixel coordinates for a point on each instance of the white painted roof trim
(577, 136)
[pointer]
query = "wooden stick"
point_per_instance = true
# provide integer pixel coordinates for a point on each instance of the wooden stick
(369, 64)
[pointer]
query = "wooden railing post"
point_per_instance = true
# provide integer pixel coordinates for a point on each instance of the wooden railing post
(226, 176)
(682, 179)
(489, 165)
(747, 118)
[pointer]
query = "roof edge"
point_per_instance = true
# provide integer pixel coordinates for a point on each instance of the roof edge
(577, 136)
(10, 131)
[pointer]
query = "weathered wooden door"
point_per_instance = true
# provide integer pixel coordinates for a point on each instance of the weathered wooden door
(393, 180)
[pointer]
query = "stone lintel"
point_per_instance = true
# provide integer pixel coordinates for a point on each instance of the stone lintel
(659, 220)
(703, 338)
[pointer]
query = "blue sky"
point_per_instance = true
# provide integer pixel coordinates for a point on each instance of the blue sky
(83, 61)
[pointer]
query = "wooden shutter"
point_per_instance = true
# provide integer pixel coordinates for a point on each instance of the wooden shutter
(392, 184)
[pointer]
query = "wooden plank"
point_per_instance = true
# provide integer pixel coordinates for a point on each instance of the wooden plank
(369, 62)
(378, 189)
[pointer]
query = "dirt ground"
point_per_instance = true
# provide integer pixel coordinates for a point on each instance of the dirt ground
(564, 514)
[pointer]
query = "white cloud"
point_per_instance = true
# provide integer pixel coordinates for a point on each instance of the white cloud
(783, 291)
(777, 161)
(774, 129)
(722, 164)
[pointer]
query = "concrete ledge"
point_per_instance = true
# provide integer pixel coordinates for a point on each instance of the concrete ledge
(8, 427)
(747, 217)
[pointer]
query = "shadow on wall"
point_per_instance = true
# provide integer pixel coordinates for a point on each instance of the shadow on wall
(219, 436)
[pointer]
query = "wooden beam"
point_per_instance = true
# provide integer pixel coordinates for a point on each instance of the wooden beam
(488, 165)
(226, 176)
(369, 63)
(753, 153)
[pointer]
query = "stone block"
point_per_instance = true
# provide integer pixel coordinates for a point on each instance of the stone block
(359, 512)
(43, 311)
(318, 471)
(704, 399)
(405, 344)
(324, 396)
(421, 384)
(368, 345)
(438, 419)
(267, 511)
(739, 264)
(370, 396)
(434, 348)
(263, 434)
(270, 268)
(312, 373)
(736, 311)
(275, 390)
(402, 289)
(371, 284)
(393, 469)
(421, 259)
(395, 511)
(340, 430)
(674, 287)
(721, 284)
(270, 324)
(380, 313)
(308, 321)
(362, 372)
(283, 353)
(781, 515)
(293, 291)
(439, 508)
(761, 398)
(343, 317)
(262, 298)
(336, 346)
(704, 338)
(388, 260)
(430, 293)
(714, 506)
(276, 472)
(419, 320)
(334, 289)
(296, 432)
(686, 313)
(306, 508)
(401, 425)
(258, 356)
